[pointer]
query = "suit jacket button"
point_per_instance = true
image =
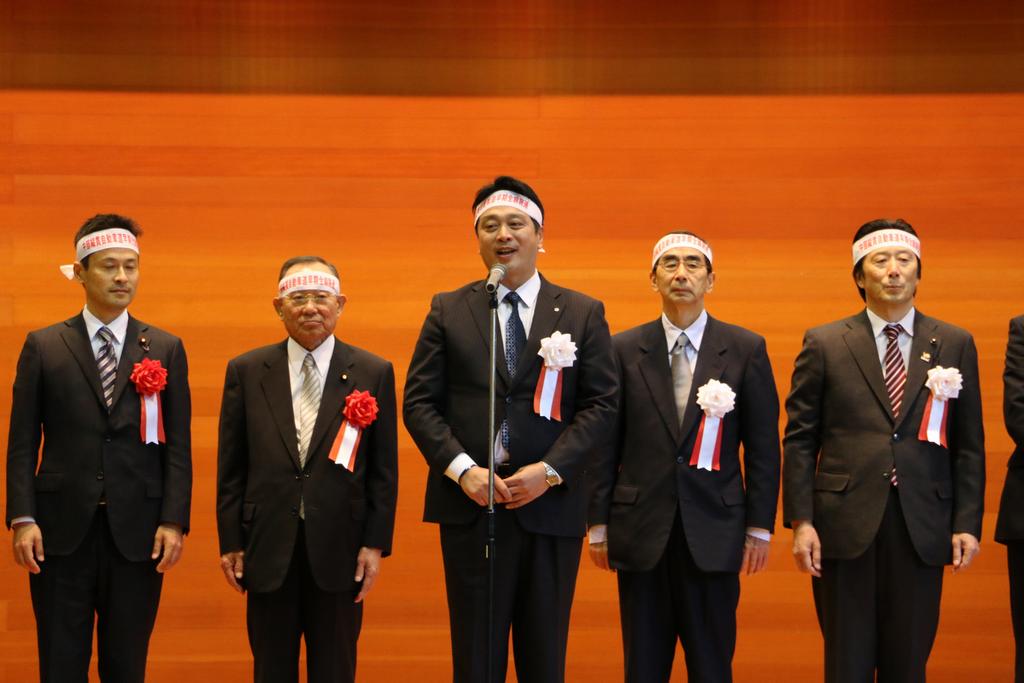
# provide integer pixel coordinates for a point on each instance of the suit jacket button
(508, 399)
(298, 477)
(895, 437)
(107, 438)
(306, 475)
(99, 476)
(295, 512)
(680, 460)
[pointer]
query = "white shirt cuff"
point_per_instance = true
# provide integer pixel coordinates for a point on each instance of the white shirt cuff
(22, 520)
(597, 534)
(460, 464)
(761, 534)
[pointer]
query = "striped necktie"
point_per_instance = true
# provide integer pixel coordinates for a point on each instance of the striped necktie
(107, 363)
(895, 373)
(309, 405)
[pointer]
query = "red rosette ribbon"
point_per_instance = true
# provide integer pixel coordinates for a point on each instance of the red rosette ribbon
(150, 378)
(360, 412)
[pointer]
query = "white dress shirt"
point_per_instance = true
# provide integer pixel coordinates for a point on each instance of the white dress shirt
(296, 355)
(905, 339)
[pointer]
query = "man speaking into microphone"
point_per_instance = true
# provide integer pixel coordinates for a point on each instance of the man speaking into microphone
(556, 391)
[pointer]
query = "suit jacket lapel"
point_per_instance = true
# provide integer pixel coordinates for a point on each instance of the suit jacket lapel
(657, 374)
(131, 353)
(332, 400)
(861, 342)
(917, 366)
(480, 310)
(547, 312)
(76, 337)
(277, 388)
(710, 363)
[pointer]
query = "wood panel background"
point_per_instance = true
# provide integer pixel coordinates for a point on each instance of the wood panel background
(241, 133)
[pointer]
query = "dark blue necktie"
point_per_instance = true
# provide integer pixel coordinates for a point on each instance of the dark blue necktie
(515, 341)
(515, 334)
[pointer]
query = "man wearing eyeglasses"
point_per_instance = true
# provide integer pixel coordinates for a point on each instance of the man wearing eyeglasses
(307, 476)
(672, 510)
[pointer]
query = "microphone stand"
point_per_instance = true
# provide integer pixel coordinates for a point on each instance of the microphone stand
(489, 551)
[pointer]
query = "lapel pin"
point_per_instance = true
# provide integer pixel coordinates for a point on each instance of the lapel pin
(344, 376)
(933, 341)
(926, 356)
(144, 343)
(556, 309)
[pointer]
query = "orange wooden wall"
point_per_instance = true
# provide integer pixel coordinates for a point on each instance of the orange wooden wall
(227, 187)
(241, 132)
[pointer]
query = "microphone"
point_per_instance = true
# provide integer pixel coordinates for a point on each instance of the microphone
(496, 275)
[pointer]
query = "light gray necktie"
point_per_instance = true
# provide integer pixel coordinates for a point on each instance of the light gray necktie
(682, 377)
(309, 405)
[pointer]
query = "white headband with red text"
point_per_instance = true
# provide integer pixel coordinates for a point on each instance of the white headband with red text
(115, 238)
(511, 199)
(308, 280)
(673, 240)
(882, 239)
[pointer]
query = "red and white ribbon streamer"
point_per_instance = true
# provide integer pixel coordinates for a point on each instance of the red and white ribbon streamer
(547, 399)
(346, 443)
(151, 422)
(708, 449)
(933, 423)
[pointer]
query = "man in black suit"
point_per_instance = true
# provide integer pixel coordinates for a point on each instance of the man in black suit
(883, 465)
(1010, 524)
(103, 517)
(307, 478)
(541, 449)
(673, 513)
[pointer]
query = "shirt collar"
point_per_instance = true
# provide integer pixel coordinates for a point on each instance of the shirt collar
(118, 326)
(878, 324)
(695, 332)
(321, 355)
(528, 291)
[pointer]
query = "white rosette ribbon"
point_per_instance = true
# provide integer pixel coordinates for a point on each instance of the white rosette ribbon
(715, 399)
(558, 352)
(945, 384)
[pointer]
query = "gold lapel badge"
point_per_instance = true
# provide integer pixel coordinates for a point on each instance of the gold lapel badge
(926, 356)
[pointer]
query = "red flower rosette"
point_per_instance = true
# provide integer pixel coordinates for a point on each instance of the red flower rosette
(150, 378)
(360, 411)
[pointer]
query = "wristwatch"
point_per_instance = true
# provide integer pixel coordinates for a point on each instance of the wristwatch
(552, 477)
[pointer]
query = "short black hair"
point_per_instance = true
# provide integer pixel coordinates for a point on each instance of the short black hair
(875, 226)
(507, 182)
(105, 221)
(296, 260)
(707, 261)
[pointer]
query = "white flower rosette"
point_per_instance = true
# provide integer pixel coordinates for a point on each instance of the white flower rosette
(944, 384)
(558, 351)
(716, 399)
